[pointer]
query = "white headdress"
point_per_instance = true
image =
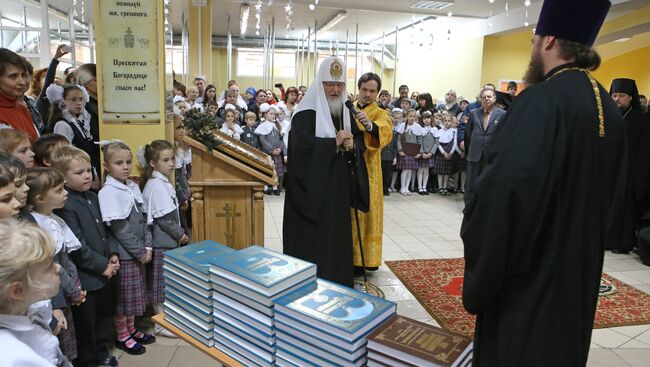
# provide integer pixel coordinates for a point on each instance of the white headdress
(229, 106)
(179, 99)
(331, 69)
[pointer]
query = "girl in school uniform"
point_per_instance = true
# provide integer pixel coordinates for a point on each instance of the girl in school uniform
(70, 119)
(397, 115)
(429, 146)
(161, 208)
(26, 253)
(409, 132)
(446, 160)
(272, 143)
(462, 159)
(121, 204)
(230, 126)
(46, 193)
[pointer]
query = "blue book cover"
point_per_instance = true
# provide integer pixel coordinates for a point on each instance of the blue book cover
(341, 311)
(198, 256)
(265, 271)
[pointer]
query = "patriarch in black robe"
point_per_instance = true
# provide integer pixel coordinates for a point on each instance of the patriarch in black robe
(534, 231)
(636, 125)
(326, 176)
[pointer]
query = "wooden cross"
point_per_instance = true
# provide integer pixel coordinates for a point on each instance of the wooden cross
(231, 227)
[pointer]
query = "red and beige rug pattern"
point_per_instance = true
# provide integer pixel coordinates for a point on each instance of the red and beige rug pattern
(437, 284)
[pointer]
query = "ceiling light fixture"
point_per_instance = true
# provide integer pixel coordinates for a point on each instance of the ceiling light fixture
(244, 13)
(258, 17)
(334, 21)
(624, 39)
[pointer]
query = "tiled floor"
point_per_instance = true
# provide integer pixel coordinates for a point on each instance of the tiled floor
(410, 234)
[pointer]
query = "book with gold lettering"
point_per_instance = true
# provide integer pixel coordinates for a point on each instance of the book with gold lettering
(402, 341)
(261, 271)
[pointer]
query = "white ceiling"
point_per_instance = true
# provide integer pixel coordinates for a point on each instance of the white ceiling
(470, 17)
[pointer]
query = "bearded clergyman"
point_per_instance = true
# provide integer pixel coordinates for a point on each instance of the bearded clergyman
(326, 176)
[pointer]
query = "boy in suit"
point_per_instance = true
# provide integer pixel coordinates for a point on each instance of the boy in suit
(96, 260)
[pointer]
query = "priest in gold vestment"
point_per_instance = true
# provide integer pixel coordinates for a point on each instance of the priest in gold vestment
(371, 223)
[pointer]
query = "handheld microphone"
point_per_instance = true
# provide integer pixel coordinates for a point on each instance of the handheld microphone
(351, 107)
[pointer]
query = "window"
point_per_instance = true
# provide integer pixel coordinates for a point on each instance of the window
(250, 63)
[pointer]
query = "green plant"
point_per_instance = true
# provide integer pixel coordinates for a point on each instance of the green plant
(199, 126)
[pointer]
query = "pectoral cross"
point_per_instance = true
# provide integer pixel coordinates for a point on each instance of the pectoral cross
(231, 230)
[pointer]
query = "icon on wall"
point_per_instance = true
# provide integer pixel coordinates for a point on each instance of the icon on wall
(129, 40)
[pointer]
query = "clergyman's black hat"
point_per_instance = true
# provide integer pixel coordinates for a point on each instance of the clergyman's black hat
(627, 86)
(572, 20)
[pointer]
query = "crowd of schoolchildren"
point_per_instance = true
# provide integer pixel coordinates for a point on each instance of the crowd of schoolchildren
(81, 255)
(258, 118)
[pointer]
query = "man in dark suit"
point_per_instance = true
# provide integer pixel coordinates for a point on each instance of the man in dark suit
(482, 125)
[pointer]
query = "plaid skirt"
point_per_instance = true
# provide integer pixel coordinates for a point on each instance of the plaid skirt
(407, 162)
(278, 160)
(443, 166)
(426, 163)
(155, 281)
(130, 297)
(68, 337)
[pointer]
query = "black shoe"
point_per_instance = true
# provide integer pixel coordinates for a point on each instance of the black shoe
(137, 349)
(146, 338)
(109, 361)
(620, 252)
(412, 189)
(386, 193)
(358, 271)
(426, 193)
(276, 192)
(372, 268)
(462, 191)
(268, 192)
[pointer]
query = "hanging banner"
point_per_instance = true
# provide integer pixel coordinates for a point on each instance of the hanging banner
(128, 60)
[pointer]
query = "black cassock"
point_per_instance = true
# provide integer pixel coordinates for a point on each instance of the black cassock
(534, 234)
(636, 125)
(320, 191)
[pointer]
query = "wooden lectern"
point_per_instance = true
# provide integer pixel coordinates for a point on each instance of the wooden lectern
(227, 186)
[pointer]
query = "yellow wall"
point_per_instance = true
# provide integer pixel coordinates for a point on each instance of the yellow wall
(633, 65)
(505, 57)
(448, 65)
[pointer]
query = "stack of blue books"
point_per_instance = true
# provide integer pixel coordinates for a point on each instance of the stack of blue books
(246, 284)
(188, 291)
(327, 326)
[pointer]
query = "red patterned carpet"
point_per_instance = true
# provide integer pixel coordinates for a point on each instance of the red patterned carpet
(438, 284)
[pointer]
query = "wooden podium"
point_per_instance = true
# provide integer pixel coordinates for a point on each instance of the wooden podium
(228, 192)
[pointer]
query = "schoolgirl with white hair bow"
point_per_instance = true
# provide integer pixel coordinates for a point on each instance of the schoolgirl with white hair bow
(70, 118)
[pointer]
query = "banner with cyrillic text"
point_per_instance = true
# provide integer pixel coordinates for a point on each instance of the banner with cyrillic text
(129, 57)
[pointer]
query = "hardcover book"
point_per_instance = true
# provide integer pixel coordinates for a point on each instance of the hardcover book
(178, 303)
(221, 301)
(223, 340)
(264, 271)
(244, 335)
(265, 310)
(315, 340)
(197, 256)
(257, 297)
(199, 279)
(177, 289)
(205, 341)
(316, 351)
(419, 344)
(220, 316)
(244, 319)
(340, 311)
(244, 344)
